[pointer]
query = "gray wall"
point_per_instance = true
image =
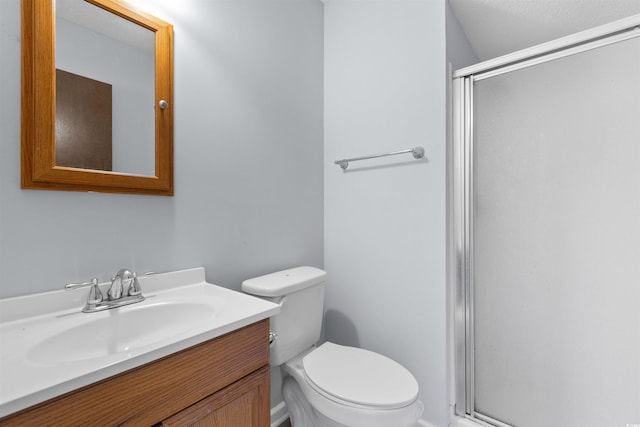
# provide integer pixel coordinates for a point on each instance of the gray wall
(385, 240)
(248, 158)
(459, 51)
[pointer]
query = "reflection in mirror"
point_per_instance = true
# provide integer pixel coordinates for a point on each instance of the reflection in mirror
(108, 51)
(83, 122)
(97, 98)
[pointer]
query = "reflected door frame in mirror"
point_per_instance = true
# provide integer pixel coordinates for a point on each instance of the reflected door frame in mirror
(38, 167)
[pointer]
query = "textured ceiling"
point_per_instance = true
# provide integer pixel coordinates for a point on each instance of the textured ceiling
(498, 27)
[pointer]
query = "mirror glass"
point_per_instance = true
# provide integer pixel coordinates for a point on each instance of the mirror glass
(105, 109)
(97, 98)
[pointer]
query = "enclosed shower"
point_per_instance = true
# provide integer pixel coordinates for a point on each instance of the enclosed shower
(545, 233)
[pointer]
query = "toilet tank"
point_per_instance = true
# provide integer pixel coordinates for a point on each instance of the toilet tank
(300, 293)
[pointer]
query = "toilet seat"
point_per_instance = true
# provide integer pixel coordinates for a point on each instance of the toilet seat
(359, 378)
(345, 412)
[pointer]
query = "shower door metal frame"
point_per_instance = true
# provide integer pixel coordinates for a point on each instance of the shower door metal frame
(461, 191)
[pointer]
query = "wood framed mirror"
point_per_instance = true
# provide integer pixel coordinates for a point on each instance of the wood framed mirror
(47, 119)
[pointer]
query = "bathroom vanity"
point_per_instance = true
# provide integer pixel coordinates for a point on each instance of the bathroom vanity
(225, 380)
(213, 372)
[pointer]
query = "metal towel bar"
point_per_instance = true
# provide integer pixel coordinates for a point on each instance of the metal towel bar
(418, 153)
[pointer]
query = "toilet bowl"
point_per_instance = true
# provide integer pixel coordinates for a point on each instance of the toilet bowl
(355, 387)
(330, 385)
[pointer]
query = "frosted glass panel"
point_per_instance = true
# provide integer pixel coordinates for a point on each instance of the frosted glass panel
(557, 241)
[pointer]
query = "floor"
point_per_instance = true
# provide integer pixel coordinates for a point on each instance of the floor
(287, 423)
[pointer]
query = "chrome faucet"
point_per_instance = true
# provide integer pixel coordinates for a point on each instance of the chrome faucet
(116, 290)
(116, 295)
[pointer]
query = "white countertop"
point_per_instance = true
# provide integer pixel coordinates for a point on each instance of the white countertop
(30, 326)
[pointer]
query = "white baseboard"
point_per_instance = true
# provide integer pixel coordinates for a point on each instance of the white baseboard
(279, 414)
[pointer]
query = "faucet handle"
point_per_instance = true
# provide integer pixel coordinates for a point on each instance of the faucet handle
(95, 295)
(134, 287)
(94, 281)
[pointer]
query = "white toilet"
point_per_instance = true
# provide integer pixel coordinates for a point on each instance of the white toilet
(330, 385)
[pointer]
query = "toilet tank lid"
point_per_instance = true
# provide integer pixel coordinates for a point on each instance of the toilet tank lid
(284, 282)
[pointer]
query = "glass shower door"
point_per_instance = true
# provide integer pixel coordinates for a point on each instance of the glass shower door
(555, 241)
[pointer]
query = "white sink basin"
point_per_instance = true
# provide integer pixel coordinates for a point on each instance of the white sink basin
(48, 347)
(121, 330)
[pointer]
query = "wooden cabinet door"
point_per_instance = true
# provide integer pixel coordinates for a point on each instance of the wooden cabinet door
(244, 403)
